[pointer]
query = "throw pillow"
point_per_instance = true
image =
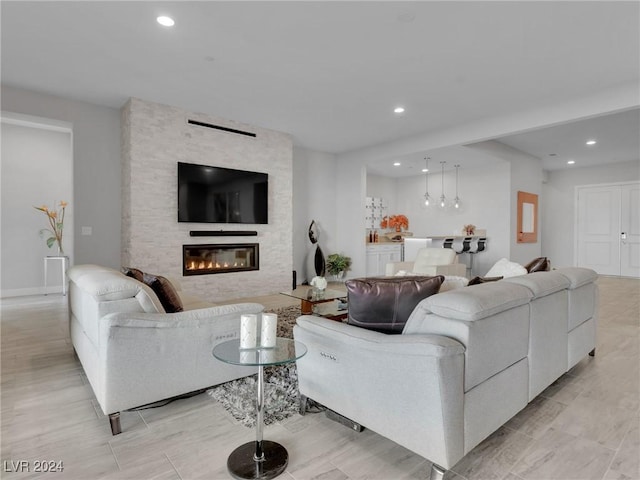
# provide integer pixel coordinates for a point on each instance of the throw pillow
(479, 280)
(165, 292)
(384, 304)
(451, 282)
(505, 268)
(540, 264)
(133, 273)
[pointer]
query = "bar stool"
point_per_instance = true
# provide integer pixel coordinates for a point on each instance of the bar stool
(477, 244)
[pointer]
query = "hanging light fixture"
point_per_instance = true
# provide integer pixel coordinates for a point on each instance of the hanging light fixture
(456, 201)
(443, 200)
(427, 198)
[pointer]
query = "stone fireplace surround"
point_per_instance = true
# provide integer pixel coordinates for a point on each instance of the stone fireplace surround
(155, 138)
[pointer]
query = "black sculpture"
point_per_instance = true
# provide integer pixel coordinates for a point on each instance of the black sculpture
(318, 256)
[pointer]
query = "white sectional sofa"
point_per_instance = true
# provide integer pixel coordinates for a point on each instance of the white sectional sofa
(134, 353)
(467, 361)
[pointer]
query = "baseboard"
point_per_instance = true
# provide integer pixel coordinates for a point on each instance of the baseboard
(26, 292)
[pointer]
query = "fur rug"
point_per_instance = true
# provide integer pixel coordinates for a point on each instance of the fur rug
(238, 397)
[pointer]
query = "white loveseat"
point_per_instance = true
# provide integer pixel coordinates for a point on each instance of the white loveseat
(466, 362)
(134, 353)
(429, 261)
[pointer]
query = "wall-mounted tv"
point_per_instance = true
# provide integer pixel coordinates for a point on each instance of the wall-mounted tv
(209, 194)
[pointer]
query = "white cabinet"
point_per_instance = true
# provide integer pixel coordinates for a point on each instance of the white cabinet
(378, 255)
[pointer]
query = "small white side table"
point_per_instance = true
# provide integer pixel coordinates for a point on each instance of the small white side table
(65, 264)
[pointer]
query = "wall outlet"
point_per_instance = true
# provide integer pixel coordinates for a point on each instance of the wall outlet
(87, 231)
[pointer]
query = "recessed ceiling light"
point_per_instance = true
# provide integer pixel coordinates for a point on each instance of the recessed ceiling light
(591, 142)
(398, 110)
(425, 170)
(396, 164)
(165, 21)
(571, 162)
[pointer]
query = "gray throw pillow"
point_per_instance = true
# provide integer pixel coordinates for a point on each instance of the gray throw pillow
(165, 292)
(133, 273)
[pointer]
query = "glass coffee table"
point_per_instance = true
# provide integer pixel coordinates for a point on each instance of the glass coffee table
(313, 301)
(262, 459)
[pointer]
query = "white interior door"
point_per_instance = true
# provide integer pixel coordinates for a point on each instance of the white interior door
(608, 234)
(630, 231)
(599, 229)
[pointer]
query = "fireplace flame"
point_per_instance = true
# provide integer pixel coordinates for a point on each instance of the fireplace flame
(216, 260)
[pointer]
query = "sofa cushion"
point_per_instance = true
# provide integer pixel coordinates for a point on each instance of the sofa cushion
(479, 280)
(578, 276)
(540, 264)
(505, 268)
(541, 283)
(485, 300)
(165, 292)
(107, 285)
(384, 304)
(583, 294)
(133, 273)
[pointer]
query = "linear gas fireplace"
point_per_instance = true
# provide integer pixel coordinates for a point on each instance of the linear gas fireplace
(219, 258)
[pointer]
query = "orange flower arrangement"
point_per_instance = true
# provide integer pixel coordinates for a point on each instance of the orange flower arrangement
(56, 224)
(395, 221)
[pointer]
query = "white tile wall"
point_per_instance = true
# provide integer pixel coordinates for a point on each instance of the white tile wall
(154, 139)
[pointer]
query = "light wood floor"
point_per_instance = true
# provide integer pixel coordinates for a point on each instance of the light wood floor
(585, 426)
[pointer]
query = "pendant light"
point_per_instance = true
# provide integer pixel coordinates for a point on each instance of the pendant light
(428, 201)
(443, 200)
(456, 201)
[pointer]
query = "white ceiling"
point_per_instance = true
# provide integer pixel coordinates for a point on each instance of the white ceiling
(412, 164)
(617, 137)
(331, 72)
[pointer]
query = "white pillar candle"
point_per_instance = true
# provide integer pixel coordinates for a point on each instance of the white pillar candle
(248, 330)
(268, 330)
(267, 355)
(249, 356)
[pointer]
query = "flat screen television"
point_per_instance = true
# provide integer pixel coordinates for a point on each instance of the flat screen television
(209, 194)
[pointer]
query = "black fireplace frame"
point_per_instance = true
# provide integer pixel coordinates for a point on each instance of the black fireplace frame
(211, 271)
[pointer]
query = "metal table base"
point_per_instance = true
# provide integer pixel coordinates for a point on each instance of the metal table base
(259, 459)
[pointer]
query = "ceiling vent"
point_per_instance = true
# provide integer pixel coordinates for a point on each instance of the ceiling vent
(220, 127)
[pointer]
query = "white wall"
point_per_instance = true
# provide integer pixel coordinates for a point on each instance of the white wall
(314, 198)
(558, 205)
(351, 181)
(525, 176)
(485, 203)
(383, 187)
(485, 192)
(36, 169)
(155, 138)
(96, 169)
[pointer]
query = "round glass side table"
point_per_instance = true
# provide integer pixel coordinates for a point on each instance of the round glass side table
(262, 459)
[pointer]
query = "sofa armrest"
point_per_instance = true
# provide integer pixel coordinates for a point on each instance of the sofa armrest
(394, 267)
(137, 351)
(408, 388)
(188, 318)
